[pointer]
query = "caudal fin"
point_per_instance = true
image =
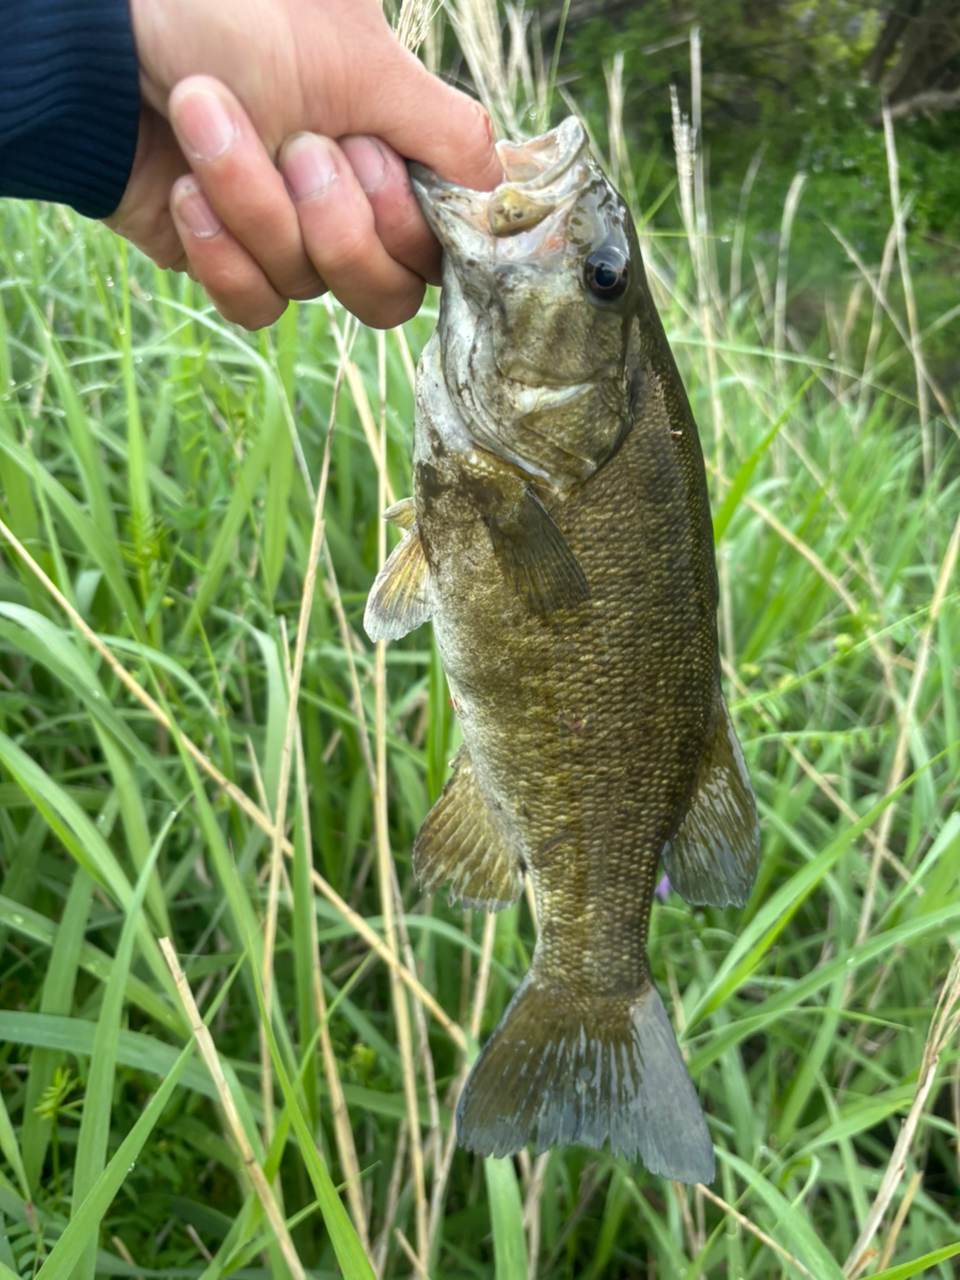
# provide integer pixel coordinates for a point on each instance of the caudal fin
(556, 1071)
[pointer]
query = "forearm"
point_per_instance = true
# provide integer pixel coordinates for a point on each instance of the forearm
(69, 101)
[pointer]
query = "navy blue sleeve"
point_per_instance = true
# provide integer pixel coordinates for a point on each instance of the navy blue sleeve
(69, 101)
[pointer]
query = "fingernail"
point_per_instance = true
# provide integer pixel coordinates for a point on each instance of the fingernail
(308, 166)
(206, 128)
(195, 212)
(367, 161)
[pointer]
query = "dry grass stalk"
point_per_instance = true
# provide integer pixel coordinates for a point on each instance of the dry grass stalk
(790, 206)
(943, 1026)
(694, 1240)
(414, 21)
(477, 27)
(395, 966)
(899, 224)
(342, 1128)
(483, 974)
(239, 797)
(531, 1212)
(385, 864)
(208, 1051)
(362, 404)
(127, 1256)
(201, 1248)
(899, 766)
(693, 204)
(878, 288)
(740, 229)
(294, 676)
(415, 1262)
(382, 1244)
(444, 1163)
(619, 159)
(900, 1217)
(754, 1230)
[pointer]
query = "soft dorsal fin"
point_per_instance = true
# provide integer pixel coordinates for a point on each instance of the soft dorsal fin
(536, 558)
(398, 601)
(460, 842)
(712, 859)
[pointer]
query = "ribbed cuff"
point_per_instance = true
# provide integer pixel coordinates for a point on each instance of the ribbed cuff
(69, 101)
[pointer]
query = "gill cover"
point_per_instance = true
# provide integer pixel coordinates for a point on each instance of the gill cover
(541, 280)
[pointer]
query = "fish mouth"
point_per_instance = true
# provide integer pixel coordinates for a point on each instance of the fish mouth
(541, 176)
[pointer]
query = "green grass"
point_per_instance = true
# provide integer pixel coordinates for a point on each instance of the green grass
(161, 470)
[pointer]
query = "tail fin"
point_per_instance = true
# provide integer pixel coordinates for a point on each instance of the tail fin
(557, 1071)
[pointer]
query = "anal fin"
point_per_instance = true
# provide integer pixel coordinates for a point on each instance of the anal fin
(460, 842)
(712, 859)
(398, 601)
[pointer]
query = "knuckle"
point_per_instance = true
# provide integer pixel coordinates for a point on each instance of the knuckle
(251, 316)
(388, 312)
(314, 288)
(352, 251)
(241, 294)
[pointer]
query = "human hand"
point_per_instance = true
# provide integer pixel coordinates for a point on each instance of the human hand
(241, 106)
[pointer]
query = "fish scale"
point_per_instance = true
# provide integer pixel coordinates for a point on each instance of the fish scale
(559, 539)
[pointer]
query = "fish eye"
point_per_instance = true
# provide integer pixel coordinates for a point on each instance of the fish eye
(605, 273)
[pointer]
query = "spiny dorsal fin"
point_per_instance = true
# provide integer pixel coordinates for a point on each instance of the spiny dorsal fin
(536, 558)
(398, 602)
(713, 857)
(460, 842)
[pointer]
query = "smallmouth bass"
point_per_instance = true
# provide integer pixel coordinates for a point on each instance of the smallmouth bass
(559, 538)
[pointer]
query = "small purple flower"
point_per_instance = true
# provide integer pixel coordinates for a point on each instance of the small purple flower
(663, 888)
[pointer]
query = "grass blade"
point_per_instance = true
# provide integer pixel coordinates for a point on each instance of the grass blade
(506, 1219)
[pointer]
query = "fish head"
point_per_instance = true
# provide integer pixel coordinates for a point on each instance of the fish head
(542, 282)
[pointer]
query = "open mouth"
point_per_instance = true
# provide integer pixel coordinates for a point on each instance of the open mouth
(541, 175)
(543, 161)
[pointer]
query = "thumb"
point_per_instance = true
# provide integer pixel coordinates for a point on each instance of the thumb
(143, 214)
(426, 120)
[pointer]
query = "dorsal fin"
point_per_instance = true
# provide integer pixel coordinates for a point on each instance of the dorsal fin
(460, 842)
(712, 859)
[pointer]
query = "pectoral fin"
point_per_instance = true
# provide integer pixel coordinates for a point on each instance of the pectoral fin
(713, 857)
(460, 842)
(536, 558)
(398, 601)
(402, 513)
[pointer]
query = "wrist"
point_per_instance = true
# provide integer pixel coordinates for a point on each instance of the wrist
(69, 103)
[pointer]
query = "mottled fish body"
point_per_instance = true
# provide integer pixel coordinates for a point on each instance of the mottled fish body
(559, 538)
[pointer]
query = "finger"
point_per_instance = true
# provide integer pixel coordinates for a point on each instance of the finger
(400, 226)
(241, 183)
(237, 285)
(339, 230)
(426, 120)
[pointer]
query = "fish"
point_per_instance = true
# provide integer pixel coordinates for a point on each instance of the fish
(559, 539)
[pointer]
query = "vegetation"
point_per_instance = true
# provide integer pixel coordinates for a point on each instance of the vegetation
(189, 528)
(788, 88)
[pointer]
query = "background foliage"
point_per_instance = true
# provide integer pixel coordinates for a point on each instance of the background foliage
(173, 675)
